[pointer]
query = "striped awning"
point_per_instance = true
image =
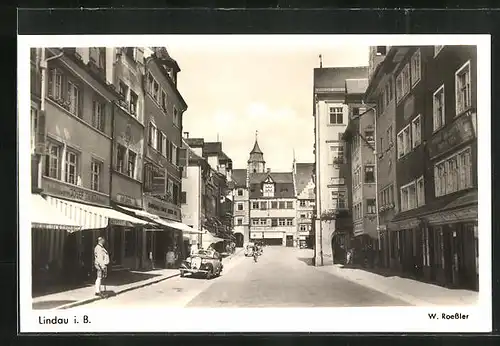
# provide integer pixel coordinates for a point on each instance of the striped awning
(161, 221)
(93, 217)
(43, 215)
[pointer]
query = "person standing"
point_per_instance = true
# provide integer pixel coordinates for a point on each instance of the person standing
(101, 261)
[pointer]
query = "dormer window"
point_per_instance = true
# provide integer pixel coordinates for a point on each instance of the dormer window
(268, 190)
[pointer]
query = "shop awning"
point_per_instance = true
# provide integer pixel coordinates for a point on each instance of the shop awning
(164, 222)
(44, 215)
(93, 217)
(209, 237)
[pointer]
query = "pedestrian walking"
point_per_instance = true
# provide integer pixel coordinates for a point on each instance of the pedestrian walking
(101, 262)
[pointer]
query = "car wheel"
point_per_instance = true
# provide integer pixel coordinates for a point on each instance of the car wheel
(182, 273)
(209, 274)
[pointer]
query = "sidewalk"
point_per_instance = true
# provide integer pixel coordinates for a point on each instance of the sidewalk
(411, 291)
(120, 283)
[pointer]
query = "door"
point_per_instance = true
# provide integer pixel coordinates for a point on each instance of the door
(289, 240)
(117, 245)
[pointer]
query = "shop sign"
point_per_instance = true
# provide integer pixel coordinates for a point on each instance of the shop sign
(76, 193)
(127, 200)
(155, 206)
(458, 133)
(328, 90)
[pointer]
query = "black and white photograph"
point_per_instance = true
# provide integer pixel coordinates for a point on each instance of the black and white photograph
(184, 183)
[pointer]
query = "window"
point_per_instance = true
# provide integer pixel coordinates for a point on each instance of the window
(415, 68)
(274, 222)
(370, 206)
(416, 129)
(404, 142)
(123, 90)
(370, 137)
(53, 161)
(282, 205)
(73, 99)
(438, 108)
(240, 192)
(303, 228)
(381, 103)
(160, 141)
(163, 100)
(274, 205)
(175, 194)
(336, 115)
(437, 49)
(355, 111)
(453, 174)
(268, 190)
(255, 205)
(357, 212)
(420, 192)
(174, 154)
(338, 200)
(408, 196)
(239, 221)
(289, 205)
(282, 222)
(95, 175)
(388, 92)
(263, 205)
(302, 216)
(239, 206)
(71, 176)
(176, 117)
(134, 99)
(389, 136)
(302, 203)
(121, 153)
(463, 88)
(156, 91)
(98, 115)
(369, 174)
(152, 141)
(337, 154)
(263, 222)
(403, 83)
(150, 83)
(289, 222)
(131, 163)
(34, 126)
(255, 222)
(55, 89)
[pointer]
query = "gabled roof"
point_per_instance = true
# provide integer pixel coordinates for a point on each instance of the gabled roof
(278, 177)
(240, 177)
(356, 86)
(281, 190)
(335, 77)
(303, 175)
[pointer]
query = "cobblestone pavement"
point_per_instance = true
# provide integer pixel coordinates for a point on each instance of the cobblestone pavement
(282, 277)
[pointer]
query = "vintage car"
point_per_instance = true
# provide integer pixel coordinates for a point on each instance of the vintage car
(205, 262)
(248, 249)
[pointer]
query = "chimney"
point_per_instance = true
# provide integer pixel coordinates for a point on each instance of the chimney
(186, 134)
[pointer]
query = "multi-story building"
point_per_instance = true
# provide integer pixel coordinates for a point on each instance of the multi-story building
(241, 207)
(271, 200)
(360, 136)
(434, 233)
(304, 187)
(381, 95)
(76, 109)
(331, 118)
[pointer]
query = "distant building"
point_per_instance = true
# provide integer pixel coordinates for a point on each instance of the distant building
(304, 187)
(332, 224)
(241, 207)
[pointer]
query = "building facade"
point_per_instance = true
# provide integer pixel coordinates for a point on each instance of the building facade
(433, 235)
(304, 187)
(360, 136)
(241, 207)
(331, 116)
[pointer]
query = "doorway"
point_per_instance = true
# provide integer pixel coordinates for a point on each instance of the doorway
(289, 240)
(239, 239)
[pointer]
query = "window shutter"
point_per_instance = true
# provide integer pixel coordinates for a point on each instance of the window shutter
(41, 134)
(51, 83)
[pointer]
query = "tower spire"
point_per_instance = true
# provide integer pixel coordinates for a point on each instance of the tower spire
(320, 61)
(256, 134)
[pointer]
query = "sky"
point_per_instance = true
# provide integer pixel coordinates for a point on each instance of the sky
(232, 91)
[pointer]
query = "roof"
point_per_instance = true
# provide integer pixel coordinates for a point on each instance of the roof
(240, 177)
(256, 154)
(256, 149)
(303, 175)
(356, 86)
(195, 142)
(215, 148)
(335, 77)
(277, 177)
(281, 190)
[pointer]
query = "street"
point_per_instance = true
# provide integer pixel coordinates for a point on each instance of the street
(282, 277)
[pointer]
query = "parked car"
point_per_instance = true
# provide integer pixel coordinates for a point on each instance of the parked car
(249, 249)
(205, 262)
